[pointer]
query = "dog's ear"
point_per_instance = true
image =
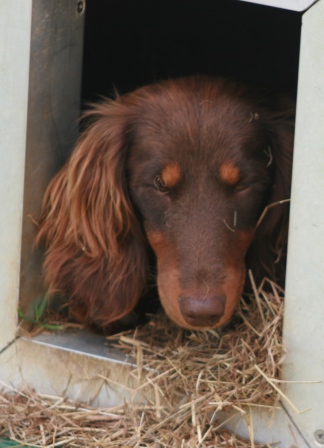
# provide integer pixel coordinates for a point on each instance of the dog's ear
(270, 244)
(95, 253)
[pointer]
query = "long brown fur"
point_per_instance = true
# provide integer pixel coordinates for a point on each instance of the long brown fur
(95, 247)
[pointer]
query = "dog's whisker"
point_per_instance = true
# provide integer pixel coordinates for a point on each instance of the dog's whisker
(207, 289)
(279, 256)
(230, 228)
(268, 152)
(166, 219)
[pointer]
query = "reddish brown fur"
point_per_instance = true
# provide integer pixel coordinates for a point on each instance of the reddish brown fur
(179, 168)
(168, 278)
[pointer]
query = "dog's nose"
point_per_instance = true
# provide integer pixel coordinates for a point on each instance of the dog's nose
(202, 312)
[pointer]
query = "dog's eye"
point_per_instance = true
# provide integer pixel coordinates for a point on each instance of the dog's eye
(241, 186)
(160, 185)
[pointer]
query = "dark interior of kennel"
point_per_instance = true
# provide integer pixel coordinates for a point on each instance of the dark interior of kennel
(131, 43)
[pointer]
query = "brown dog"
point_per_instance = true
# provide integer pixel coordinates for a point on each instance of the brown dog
(183, 167)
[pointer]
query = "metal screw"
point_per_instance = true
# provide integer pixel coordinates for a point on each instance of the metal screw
(80, 7)
(319, 436)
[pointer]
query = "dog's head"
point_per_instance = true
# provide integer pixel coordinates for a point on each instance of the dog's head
(186, 168)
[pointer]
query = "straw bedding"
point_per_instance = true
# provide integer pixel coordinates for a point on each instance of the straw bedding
(189, 378)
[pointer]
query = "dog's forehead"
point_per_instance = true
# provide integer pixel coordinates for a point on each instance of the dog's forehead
(194, 127)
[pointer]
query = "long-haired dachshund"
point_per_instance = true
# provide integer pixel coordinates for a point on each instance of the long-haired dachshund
(183, 170)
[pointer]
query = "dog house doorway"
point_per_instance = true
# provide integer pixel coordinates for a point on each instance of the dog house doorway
(129, 44)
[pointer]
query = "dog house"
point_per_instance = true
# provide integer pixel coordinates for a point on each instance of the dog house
(275, 43)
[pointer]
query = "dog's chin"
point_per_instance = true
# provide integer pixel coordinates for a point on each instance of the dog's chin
(183, 324)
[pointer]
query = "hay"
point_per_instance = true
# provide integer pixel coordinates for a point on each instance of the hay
(39, 420)
(187, 377)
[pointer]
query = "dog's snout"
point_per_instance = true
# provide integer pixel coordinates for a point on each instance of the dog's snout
(202, 312)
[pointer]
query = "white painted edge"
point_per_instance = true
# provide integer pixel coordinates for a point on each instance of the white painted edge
(293, 5)
(58, 372)
(15, 30)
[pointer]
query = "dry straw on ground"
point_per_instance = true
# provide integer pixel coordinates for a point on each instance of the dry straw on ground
(189, 378)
